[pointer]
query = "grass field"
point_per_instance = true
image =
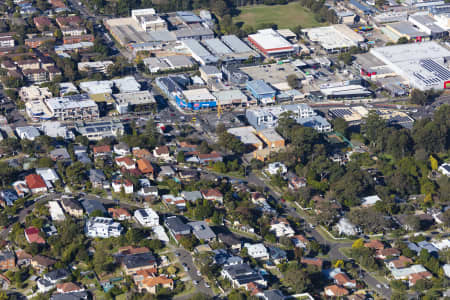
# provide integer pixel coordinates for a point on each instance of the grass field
(285, 16)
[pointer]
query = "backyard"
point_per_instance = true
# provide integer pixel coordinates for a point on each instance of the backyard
(285, 16)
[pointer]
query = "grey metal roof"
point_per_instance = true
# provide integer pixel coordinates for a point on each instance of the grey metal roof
(201, 230)
(260, 87)
(139, 260)
(91, 205)
(216, 46)
(236, 44)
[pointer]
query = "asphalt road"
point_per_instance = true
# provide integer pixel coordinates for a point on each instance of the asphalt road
(186, 258)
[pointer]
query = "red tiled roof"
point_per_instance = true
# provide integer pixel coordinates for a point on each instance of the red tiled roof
(342, 279)
(145, 166)
(35, 181)
(32, 234)
(212, 193)
(337, 290)
(101, 149)
(117, 212)
(374, 244)
(67, 287)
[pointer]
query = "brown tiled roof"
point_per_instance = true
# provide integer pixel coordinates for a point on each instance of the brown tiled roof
(337, 290)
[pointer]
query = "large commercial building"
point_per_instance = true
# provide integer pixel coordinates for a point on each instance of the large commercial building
(196, 99)
(334, 38)
(271, 43)
(423, 65)
(261, 90)
(199, 53)
(267, 117)
(74, 107)
(174, 62)
(96, 131)
(148, 20)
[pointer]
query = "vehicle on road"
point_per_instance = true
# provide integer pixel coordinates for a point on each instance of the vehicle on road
(378, 286)
(195, 282)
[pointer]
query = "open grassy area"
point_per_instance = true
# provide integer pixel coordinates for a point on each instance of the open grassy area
(285, 16)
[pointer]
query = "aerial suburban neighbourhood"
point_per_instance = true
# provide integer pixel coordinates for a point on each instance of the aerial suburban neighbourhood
(241, 150)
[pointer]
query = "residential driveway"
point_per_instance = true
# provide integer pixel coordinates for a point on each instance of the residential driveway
(186, 258)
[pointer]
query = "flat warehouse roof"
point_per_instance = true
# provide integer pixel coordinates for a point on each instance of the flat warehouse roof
(216, 46)
(236, 44)
(198, 95)
(269, 39)
(335, 36)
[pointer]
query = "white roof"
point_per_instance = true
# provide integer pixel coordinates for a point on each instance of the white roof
(97, 87)
(370, 200)
(127, 84)
(62, 103)
(269, 39)
(160, 233)
(405, 272)
(198, 95)
(56, 211)
(334, 37)
(245, 134)
(47, 174)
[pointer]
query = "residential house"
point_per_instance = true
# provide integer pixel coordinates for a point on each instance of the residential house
(213, 195)
(277, 255)
(151, 284)
(295, 182)
(206, 158)
(125, 184)
(312, 261)
(257, 251)
(162, 153)
(36, 184)
(147, 217)
(60, 154)
(104, 150)
(102, 227)
(92, 205)
(342, 279)
(335, 291)
(97, 178)
(27, 133)
(387, 252)
(72, 207)
(23, 258)
(120, 214)
(171, 200)
(241, 275)
(202, 231)
(125, 162)
(374, 244)
(276, 168)
(32, 234)
(134, 262)
(413, 278)
(8, 197)
(369, 200)
(49, 280)
(141, 153)
(300, 241)
(146, 168)
(273, 295)
(42, 263)
(177, 227)
(405, 273)
(230, 240)
(68, 287)
(398, 262)
(122, 149)
(191, 196)
(345, 227)
(7, 260)
(281, 227)
(223, 258)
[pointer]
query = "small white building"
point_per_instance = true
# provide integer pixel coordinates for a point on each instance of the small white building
(281, 229)
(56, 212)
(49, 175)
(369, 200)
(147, 217)
(345, 227)
(257, 251)
(445, 169)
(102, 228)
(160, 233)
(27, 133)
(276, 167)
